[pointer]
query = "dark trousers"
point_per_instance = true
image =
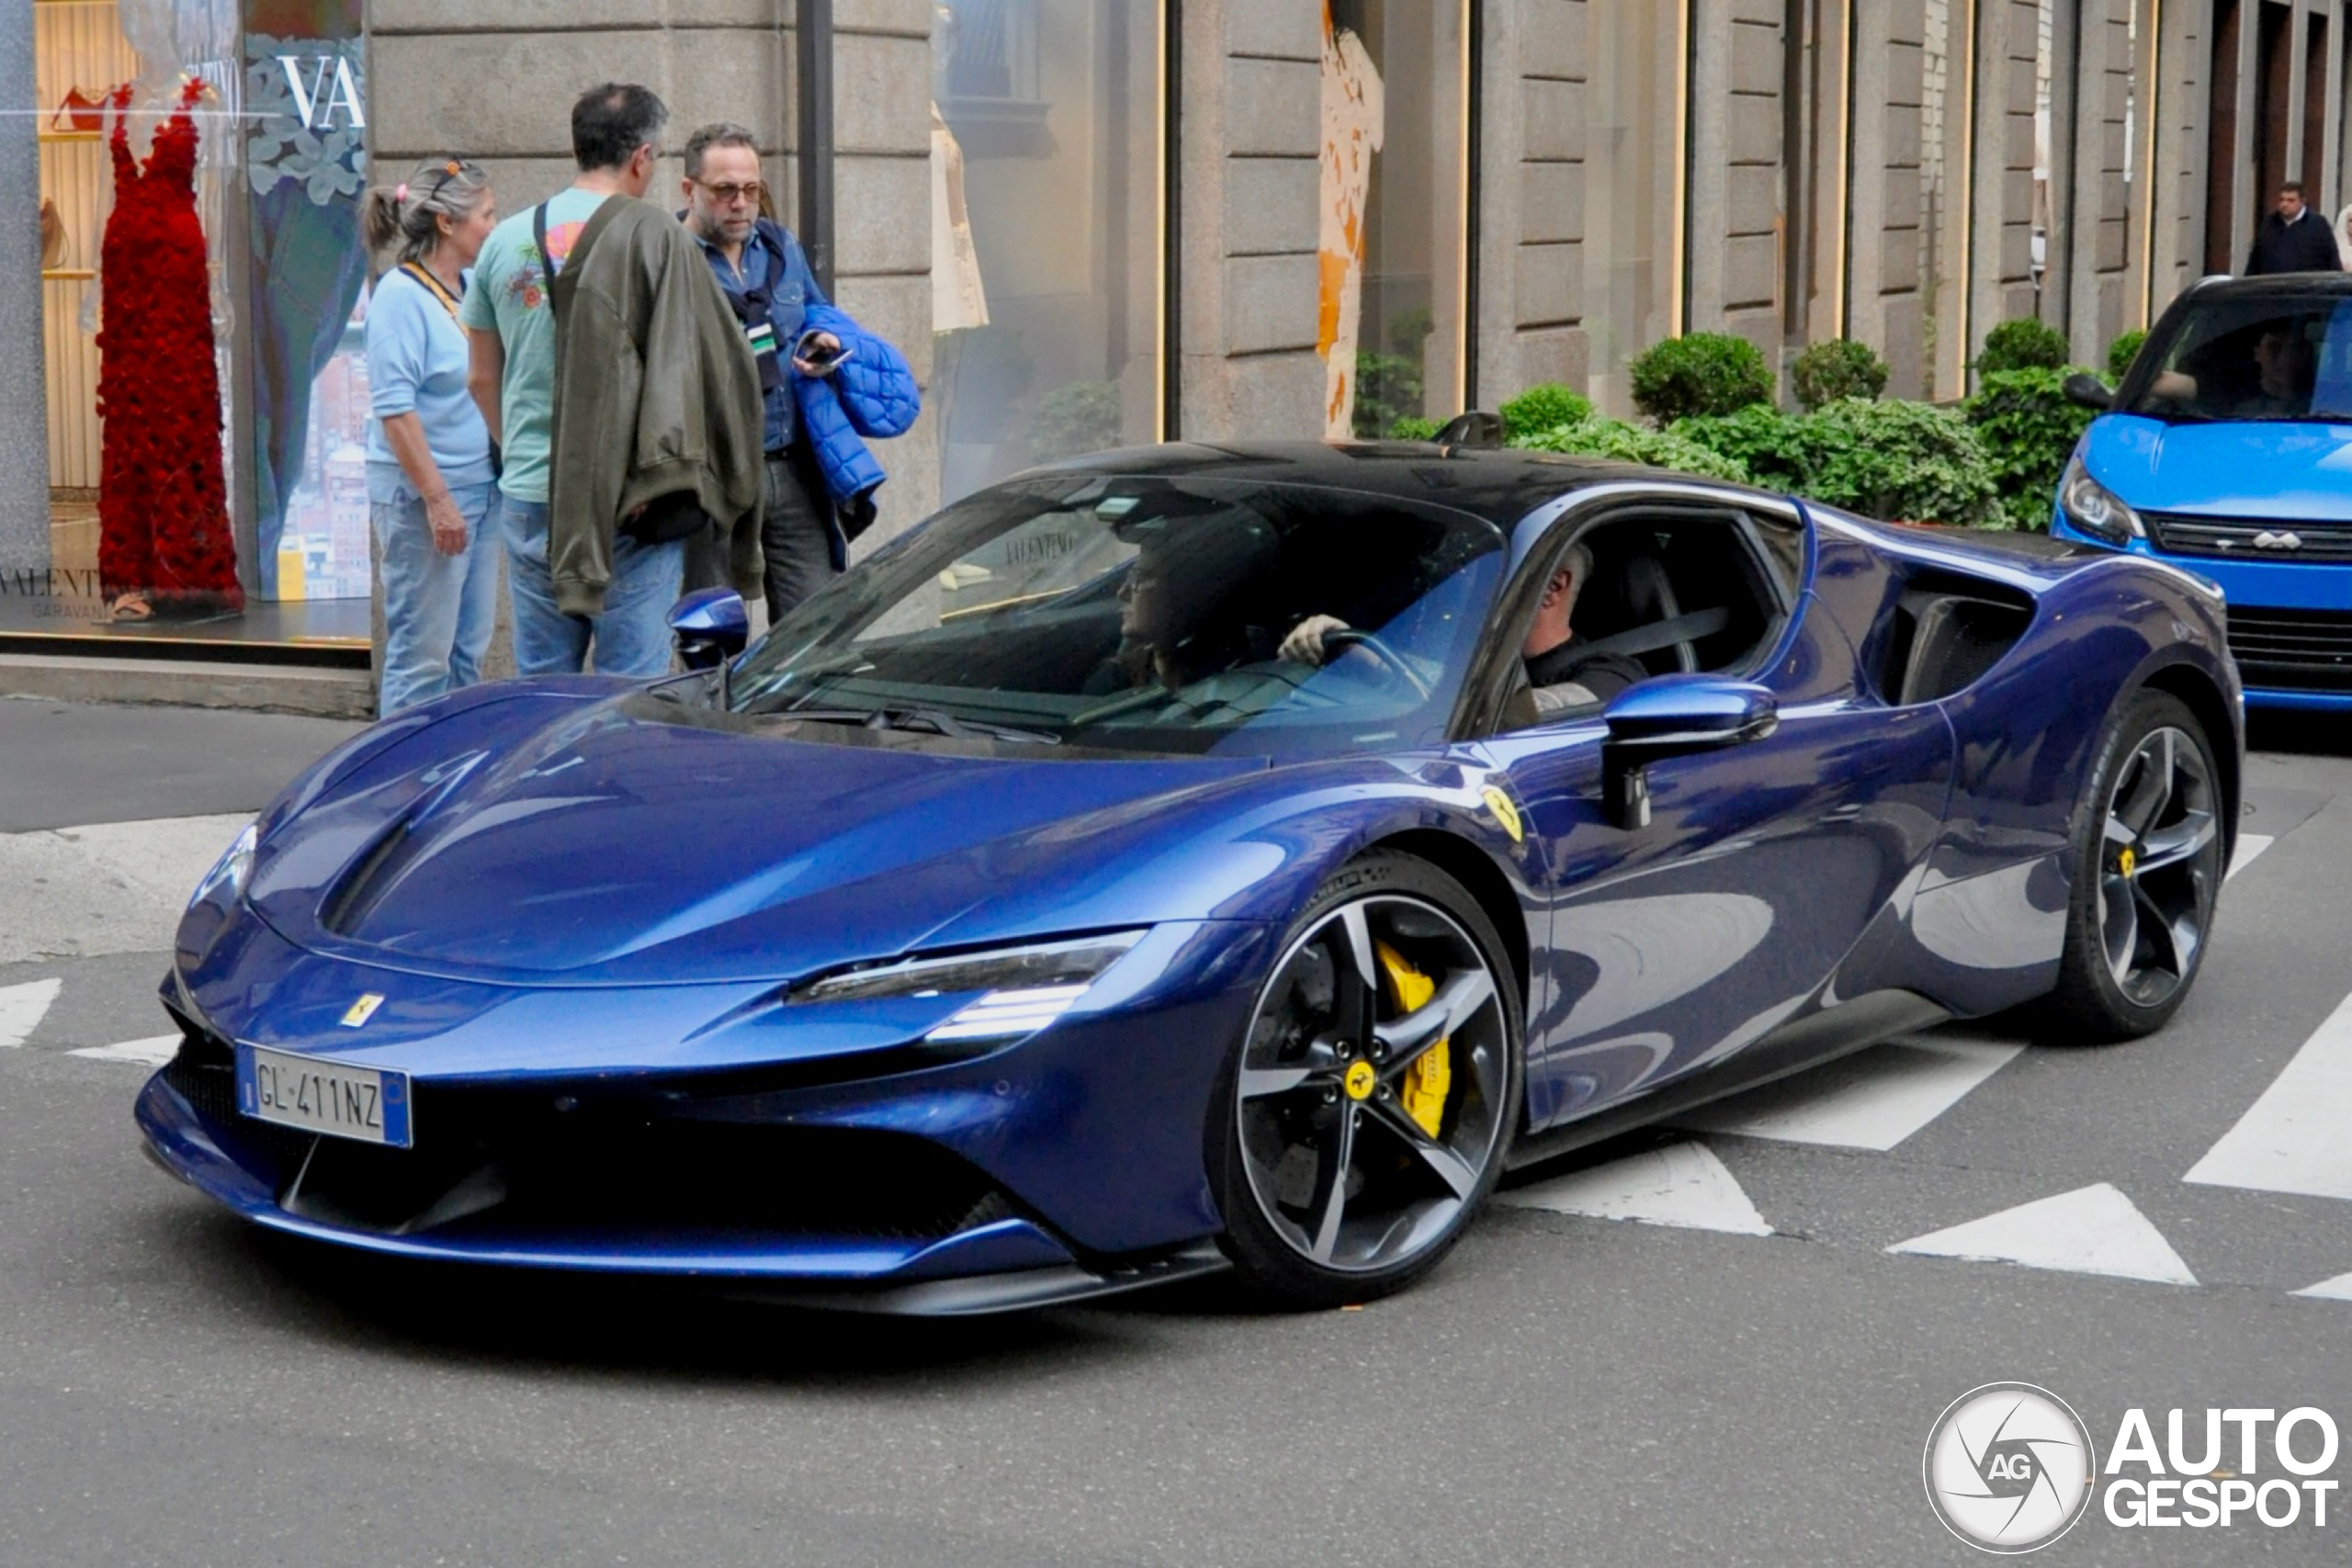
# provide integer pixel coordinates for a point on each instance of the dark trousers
(796, 538)
(796, 546)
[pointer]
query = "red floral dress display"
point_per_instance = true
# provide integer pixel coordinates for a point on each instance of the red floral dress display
(163, 500)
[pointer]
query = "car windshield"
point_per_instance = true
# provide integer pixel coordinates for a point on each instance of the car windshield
(2285, 357)
(1148, 615)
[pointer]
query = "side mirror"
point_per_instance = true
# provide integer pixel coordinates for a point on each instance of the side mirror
(709, 626)
(2088, 391)
(1673, 716)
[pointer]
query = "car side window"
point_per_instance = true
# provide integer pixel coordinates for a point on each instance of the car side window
(1661, 592)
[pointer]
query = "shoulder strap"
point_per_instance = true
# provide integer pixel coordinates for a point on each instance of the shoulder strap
(779, 252)
(423, 275)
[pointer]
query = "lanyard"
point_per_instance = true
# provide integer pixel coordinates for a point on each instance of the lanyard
(439, 290)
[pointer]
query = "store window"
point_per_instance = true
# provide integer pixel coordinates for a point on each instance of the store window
(206, 392)
(1048, 207)
(1394, 214)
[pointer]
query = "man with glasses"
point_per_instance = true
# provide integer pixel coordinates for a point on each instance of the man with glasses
(767, 282)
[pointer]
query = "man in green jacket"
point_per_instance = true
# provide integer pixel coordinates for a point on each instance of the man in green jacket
(658, 428)
(673, 429)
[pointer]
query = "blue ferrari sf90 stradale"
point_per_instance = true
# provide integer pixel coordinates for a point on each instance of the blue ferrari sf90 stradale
(1191, 859)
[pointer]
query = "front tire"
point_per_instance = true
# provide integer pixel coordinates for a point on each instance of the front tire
(2146, 875)
(1365, 1114)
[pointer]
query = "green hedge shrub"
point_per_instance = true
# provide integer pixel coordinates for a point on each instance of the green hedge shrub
(2028, 428)
(1546, 406)
(2022, 344)
(1704, 373)
(1773, 446)
(1905, 462)
(2122, 352)
(1839, 369)
(1615, 439)
(1413, 427)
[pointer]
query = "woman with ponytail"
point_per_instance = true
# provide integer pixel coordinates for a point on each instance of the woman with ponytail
(432, 486)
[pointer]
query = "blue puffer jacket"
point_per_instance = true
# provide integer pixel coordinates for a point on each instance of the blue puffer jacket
(872, 393)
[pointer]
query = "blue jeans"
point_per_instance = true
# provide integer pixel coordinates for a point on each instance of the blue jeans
(631, 637)
(438, 610)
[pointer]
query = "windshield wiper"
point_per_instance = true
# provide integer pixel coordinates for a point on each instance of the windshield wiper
(936, 720)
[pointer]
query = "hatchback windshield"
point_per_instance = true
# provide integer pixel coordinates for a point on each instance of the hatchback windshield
(1147, 614)
(2288, 357)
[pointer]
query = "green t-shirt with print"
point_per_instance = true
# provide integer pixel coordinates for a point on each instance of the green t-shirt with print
(509, 297)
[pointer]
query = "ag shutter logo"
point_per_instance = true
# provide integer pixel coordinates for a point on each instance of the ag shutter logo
(2009, 1468)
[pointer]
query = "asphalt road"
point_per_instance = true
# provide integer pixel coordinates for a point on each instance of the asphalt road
(175, 1388)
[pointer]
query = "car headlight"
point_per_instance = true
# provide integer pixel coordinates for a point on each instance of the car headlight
(1024, 989)
(2094, 509)
(233, 870)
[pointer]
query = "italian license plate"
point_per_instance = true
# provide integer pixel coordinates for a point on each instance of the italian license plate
(320, 1096)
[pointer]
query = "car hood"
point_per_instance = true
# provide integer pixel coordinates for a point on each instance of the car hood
(630, 844)
(2293, 472)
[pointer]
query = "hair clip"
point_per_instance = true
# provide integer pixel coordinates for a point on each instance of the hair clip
(400, 192)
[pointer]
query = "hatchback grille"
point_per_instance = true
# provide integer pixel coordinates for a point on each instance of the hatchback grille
(2294, 650)
(2252, 538)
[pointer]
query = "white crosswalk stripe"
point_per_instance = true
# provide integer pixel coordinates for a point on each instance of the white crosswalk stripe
(2096, 1230)
(150, 1053)
(1873, 1100)
(2249, 850)
(22, 1008)
(1683, 1185)
(2297, 1136)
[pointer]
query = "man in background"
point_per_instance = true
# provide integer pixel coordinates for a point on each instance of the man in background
(2292, 238)
(510, 320)
(767, 278)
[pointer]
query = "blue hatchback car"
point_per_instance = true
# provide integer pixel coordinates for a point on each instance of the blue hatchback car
(2228, 450)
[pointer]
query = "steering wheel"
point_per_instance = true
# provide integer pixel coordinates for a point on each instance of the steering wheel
(1342, 637)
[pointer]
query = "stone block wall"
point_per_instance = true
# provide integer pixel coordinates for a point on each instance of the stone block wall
(23, 399)
(1736, 207)
(1248, 290)
(1884, 306)
(1530, 319)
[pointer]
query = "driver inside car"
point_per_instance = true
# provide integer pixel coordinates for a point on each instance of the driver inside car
(2283, 368)
(1565, 671)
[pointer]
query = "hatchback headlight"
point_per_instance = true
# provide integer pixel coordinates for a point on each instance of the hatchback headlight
(1024, 989)
(2094, 509)
(232, 871)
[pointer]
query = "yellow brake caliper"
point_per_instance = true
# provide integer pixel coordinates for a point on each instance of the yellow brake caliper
(1429, 1079)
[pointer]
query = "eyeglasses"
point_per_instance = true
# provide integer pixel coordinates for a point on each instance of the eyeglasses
(728, 195)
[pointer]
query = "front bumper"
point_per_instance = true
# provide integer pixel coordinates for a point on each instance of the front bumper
(1063, 1165)
(2290, 626)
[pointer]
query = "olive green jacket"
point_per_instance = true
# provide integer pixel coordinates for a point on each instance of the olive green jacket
(656, 392)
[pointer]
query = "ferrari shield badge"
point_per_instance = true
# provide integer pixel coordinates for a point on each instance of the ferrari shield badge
(363, 1009)
(1505, 813)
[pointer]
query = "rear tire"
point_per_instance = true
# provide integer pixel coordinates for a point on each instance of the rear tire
(2146, 874)
(1332, 1187)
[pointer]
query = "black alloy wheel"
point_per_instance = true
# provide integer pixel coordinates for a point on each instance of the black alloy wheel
(1374, 1096)
(2147, 874)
